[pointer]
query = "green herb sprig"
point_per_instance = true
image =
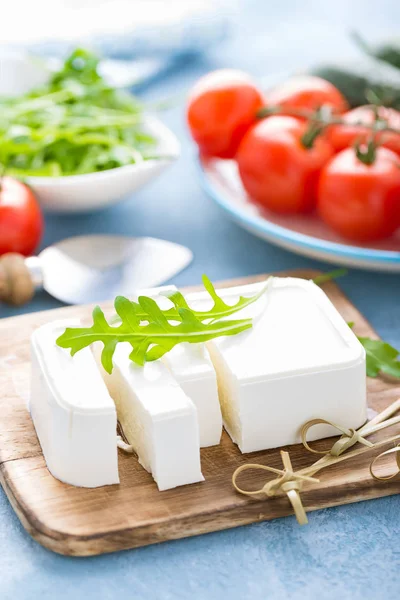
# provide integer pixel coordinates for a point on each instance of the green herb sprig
(330, 276)
(381, 357)
(219, 310)
(152, 332)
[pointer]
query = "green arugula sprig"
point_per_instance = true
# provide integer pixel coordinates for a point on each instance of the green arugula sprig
(149, 330)
(381, 358)
(325, 277)
(152, 332)
(219, 310)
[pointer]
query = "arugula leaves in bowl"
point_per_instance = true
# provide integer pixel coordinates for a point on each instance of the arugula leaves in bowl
(73, 125)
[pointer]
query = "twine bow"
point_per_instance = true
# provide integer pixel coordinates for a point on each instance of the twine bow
(291, 482)
(349, 438)
(288, 482)
(396, 451)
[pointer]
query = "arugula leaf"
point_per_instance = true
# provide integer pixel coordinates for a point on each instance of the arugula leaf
(219, 309)
(149, 330)
(222, 309)
(381, 357)
(149, 341)
(324, 277)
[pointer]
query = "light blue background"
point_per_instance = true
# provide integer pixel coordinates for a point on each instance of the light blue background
(346, 552)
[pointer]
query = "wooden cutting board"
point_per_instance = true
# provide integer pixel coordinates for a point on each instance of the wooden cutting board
(79, 521)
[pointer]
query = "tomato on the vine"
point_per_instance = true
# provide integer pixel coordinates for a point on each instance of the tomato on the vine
(21, 222)
(343, 136)
(309, 93)
(361, 201)
(277, 169)
(221, 108)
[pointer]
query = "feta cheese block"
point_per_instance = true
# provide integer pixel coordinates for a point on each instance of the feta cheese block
(300, 361)
(157, 419)
(73, 413)
(191, 366)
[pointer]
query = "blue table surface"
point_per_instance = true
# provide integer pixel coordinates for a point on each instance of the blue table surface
(349, 551)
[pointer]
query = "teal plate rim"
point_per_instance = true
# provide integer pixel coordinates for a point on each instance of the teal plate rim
(300, 240)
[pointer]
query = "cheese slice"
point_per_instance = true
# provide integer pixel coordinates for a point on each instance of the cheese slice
(191, 366)
(157, 419)
(73, 413)
(299, 361)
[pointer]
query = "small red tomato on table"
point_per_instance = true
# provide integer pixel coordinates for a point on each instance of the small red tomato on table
(355, 128)
(221, 108)
(359, 193)
(307, 92)
(21, 221)
(279, 166)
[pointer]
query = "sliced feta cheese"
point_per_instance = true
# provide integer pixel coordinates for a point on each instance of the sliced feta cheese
(157, 419)
(299, 361)
(73, 413)
(192, 368)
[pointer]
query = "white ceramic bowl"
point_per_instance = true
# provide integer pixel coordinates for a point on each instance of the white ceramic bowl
(82, 193)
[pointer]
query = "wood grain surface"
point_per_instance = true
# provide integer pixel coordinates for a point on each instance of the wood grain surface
(81, 522)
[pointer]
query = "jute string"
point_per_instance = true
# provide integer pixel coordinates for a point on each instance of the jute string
(291, 482)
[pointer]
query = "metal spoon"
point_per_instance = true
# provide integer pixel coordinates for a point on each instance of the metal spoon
(91, 268)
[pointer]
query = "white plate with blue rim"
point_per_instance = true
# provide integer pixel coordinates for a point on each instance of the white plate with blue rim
(303, 234)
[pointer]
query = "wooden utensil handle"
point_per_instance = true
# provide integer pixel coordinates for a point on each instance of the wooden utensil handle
(16, 285)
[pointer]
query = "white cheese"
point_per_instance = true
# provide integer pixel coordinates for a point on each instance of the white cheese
(74, 416)
(157, 419)
(191, 366)
(299, 361)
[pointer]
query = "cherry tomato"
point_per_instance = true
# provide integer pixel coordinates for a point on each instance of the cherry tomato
(307, 92)
(360, 201)
(21, 222)
(276, 169)
(343, 136)
(221, 108)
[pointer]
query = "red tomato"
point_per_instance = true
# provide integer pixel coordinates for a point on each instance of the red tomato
(359, 201)
(343, 136)
(221, 108)
(276, 169)
(307, 92)
(21, 222)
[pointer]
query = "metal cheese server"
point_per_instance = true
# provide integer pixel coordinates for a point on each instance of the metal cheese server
(91, 268)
